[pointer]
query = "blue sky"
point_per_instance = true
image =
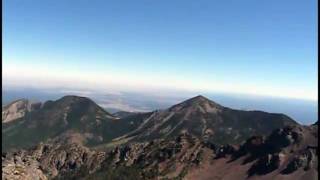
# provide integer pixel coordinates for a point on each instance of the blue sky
(252, 47)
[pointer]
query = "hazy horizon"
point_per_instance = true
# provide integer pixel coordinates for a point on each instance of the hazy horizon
(248, 47)
(303, 111)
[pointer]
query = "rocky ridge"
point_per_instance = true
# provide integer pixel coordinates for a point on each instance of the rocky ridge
(18, 109)
(290, 152)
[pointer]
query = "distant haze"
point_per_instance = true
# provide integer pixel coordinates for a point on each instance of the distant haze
(303, 111)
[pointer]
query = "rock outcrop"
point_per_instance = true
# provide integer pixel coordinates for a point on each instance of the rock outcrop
(18, 109)
(286, 152)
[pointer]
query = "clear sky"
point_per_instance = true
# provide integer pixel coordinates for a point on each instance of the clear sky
(248, 46)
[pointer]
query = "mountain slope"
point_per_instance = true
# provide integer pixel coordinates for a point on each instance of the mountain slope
(71, 117)
(196, 139)
(18, 109)
(206, 119)
(74, 118)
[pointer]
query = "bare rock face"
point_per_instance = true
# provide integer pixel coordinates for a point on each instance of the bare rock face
(185, 157)
(265, 164)
(61, 159)
(284, 152)
(159, 158)
(49, 161)
(306, 159)
(21, 166)
(18, 109)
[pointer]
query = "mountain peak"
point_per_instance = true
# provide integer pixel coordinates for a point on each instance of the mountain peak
(197, 102)
(69, 100)
(81, 102)
(74, 97)
(198, 98)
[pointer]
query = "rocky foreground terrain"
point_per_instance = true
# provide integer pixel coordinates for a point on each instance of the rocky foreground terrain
(197, 139)
(287, 153)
